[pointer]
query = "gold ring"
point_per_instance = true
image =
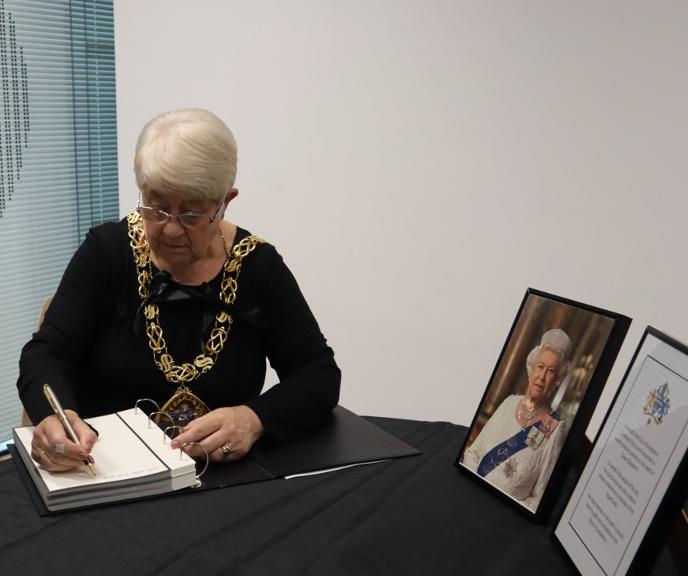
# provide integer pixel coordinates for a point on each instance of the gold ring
(38, 459)
(226, 450)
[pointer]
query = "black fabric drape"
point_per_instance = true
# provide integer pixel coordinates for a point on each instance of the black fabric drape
(412, 516)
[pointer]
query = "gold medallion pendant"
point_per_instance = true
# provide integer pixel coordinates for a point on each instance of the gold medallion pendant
(183, 407)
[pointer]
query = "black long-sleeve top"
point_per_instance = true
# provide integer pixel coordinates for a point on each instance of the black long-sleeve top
(93, 350)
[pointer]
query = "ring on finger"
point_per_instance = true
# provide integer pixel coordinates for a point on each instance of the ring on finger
(226, 450)
(59, 448)
(40, 455)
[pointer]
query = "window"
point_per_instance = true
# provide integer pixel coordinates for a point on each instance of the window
(58, 157)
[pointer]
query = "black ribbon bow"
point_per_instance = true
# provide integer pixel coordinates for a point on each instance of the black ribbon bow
(164, 289)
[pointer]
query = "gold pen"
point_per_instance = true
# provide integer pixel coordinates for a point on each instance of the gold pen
(60, 413)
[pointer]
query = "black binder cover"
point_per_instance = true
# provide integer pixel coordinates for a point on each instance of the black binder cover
(343, 439)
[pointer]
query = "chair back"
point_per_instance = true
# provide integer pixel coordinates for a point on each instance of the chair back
(25, 420)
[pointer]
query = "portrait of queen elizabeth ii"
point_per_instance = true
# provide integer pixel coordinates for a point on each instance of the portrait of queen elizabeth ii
(519, 445)
(541, 396)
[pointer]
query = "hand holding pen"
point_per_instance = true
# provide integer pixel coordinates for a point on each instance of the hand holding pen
(61, 445)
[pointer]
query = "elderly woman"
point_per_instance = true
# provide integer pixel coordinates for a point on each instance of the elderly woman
(519, 445)
(176, 304)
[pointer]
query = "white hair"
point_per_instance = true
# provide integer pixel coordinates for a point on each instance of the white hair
(557, 341)
(188, 152)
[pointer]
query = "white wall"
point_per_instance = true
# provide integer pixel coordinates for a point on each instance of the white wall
(421, 163)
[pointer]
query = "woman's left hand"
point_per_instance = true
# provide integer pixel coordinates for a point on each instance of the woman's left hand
(225, 433)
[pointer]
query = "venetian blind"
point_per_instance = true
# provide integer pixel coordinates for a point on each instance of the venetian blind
(58, 158)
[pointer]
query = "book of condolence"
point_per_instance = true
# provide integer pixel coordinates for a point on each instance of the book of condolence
(133, 459)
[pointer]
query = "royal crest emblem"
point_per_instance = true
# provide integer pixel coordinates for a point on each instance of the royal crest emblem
(658, 403)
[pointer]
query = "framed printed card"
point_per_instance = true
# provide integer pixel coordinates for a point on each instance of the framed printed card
(636, 479)
(540, 398)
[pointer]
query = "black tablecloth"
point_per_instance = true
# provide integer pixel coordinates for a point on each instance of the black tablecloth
(416, 515)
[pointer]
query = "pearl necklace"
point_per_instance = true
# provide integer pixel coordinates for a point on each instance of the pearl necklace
(525, 415)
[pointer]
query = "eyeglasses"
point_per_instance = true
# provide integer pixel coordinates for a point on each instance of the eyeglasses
(186, 219)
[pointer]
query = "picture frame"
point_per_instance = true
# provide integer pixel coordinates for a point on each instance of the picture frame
(540, 398)
(636, 478)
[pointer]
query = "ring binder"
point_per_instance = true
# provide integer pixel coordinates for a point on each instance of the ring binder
(343, 440)
(133, 462)
(165, 435)
(159, 414)
(155, 417)
(198, 483)
(136, 405)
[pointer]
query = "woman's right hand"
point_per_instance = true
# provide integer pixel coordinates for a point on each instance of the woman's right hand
(52, 448)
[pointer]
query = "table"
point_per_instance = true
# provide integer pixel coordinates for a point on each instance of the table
(417, 515)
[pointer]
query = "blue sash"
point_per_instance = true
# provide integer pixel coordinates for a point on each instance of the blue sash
(517, 443)
(502, 451)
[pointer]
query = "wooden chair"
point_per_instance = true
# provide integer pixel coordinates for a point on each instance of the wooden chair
(25, 420)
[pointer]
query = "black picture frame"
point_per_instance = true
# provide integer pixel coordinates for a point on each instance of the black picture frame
(522, 475)
(645, 518)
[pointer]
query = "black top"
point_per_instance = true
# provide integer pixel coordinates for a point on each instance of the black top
(93, 349)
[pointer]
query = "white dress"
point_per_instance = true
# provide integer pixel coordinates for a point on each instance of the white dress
(522, 475)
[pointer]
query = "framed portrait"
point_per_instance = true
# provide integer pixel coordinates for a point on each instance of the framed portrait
(540, 397)
(636, 479)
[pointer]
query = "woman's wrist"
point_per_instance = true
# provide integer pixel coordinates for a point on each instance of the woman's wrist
(255, 424)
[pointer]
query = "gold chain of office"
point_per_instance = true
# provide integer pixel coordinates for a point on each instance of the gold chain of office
(188, 371)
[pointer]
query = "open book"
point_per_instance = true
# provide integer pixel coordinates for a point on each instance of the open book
(132, 460)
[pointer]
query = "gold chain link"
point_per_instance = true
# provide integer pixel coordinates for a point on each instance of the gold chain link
(186, 372)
